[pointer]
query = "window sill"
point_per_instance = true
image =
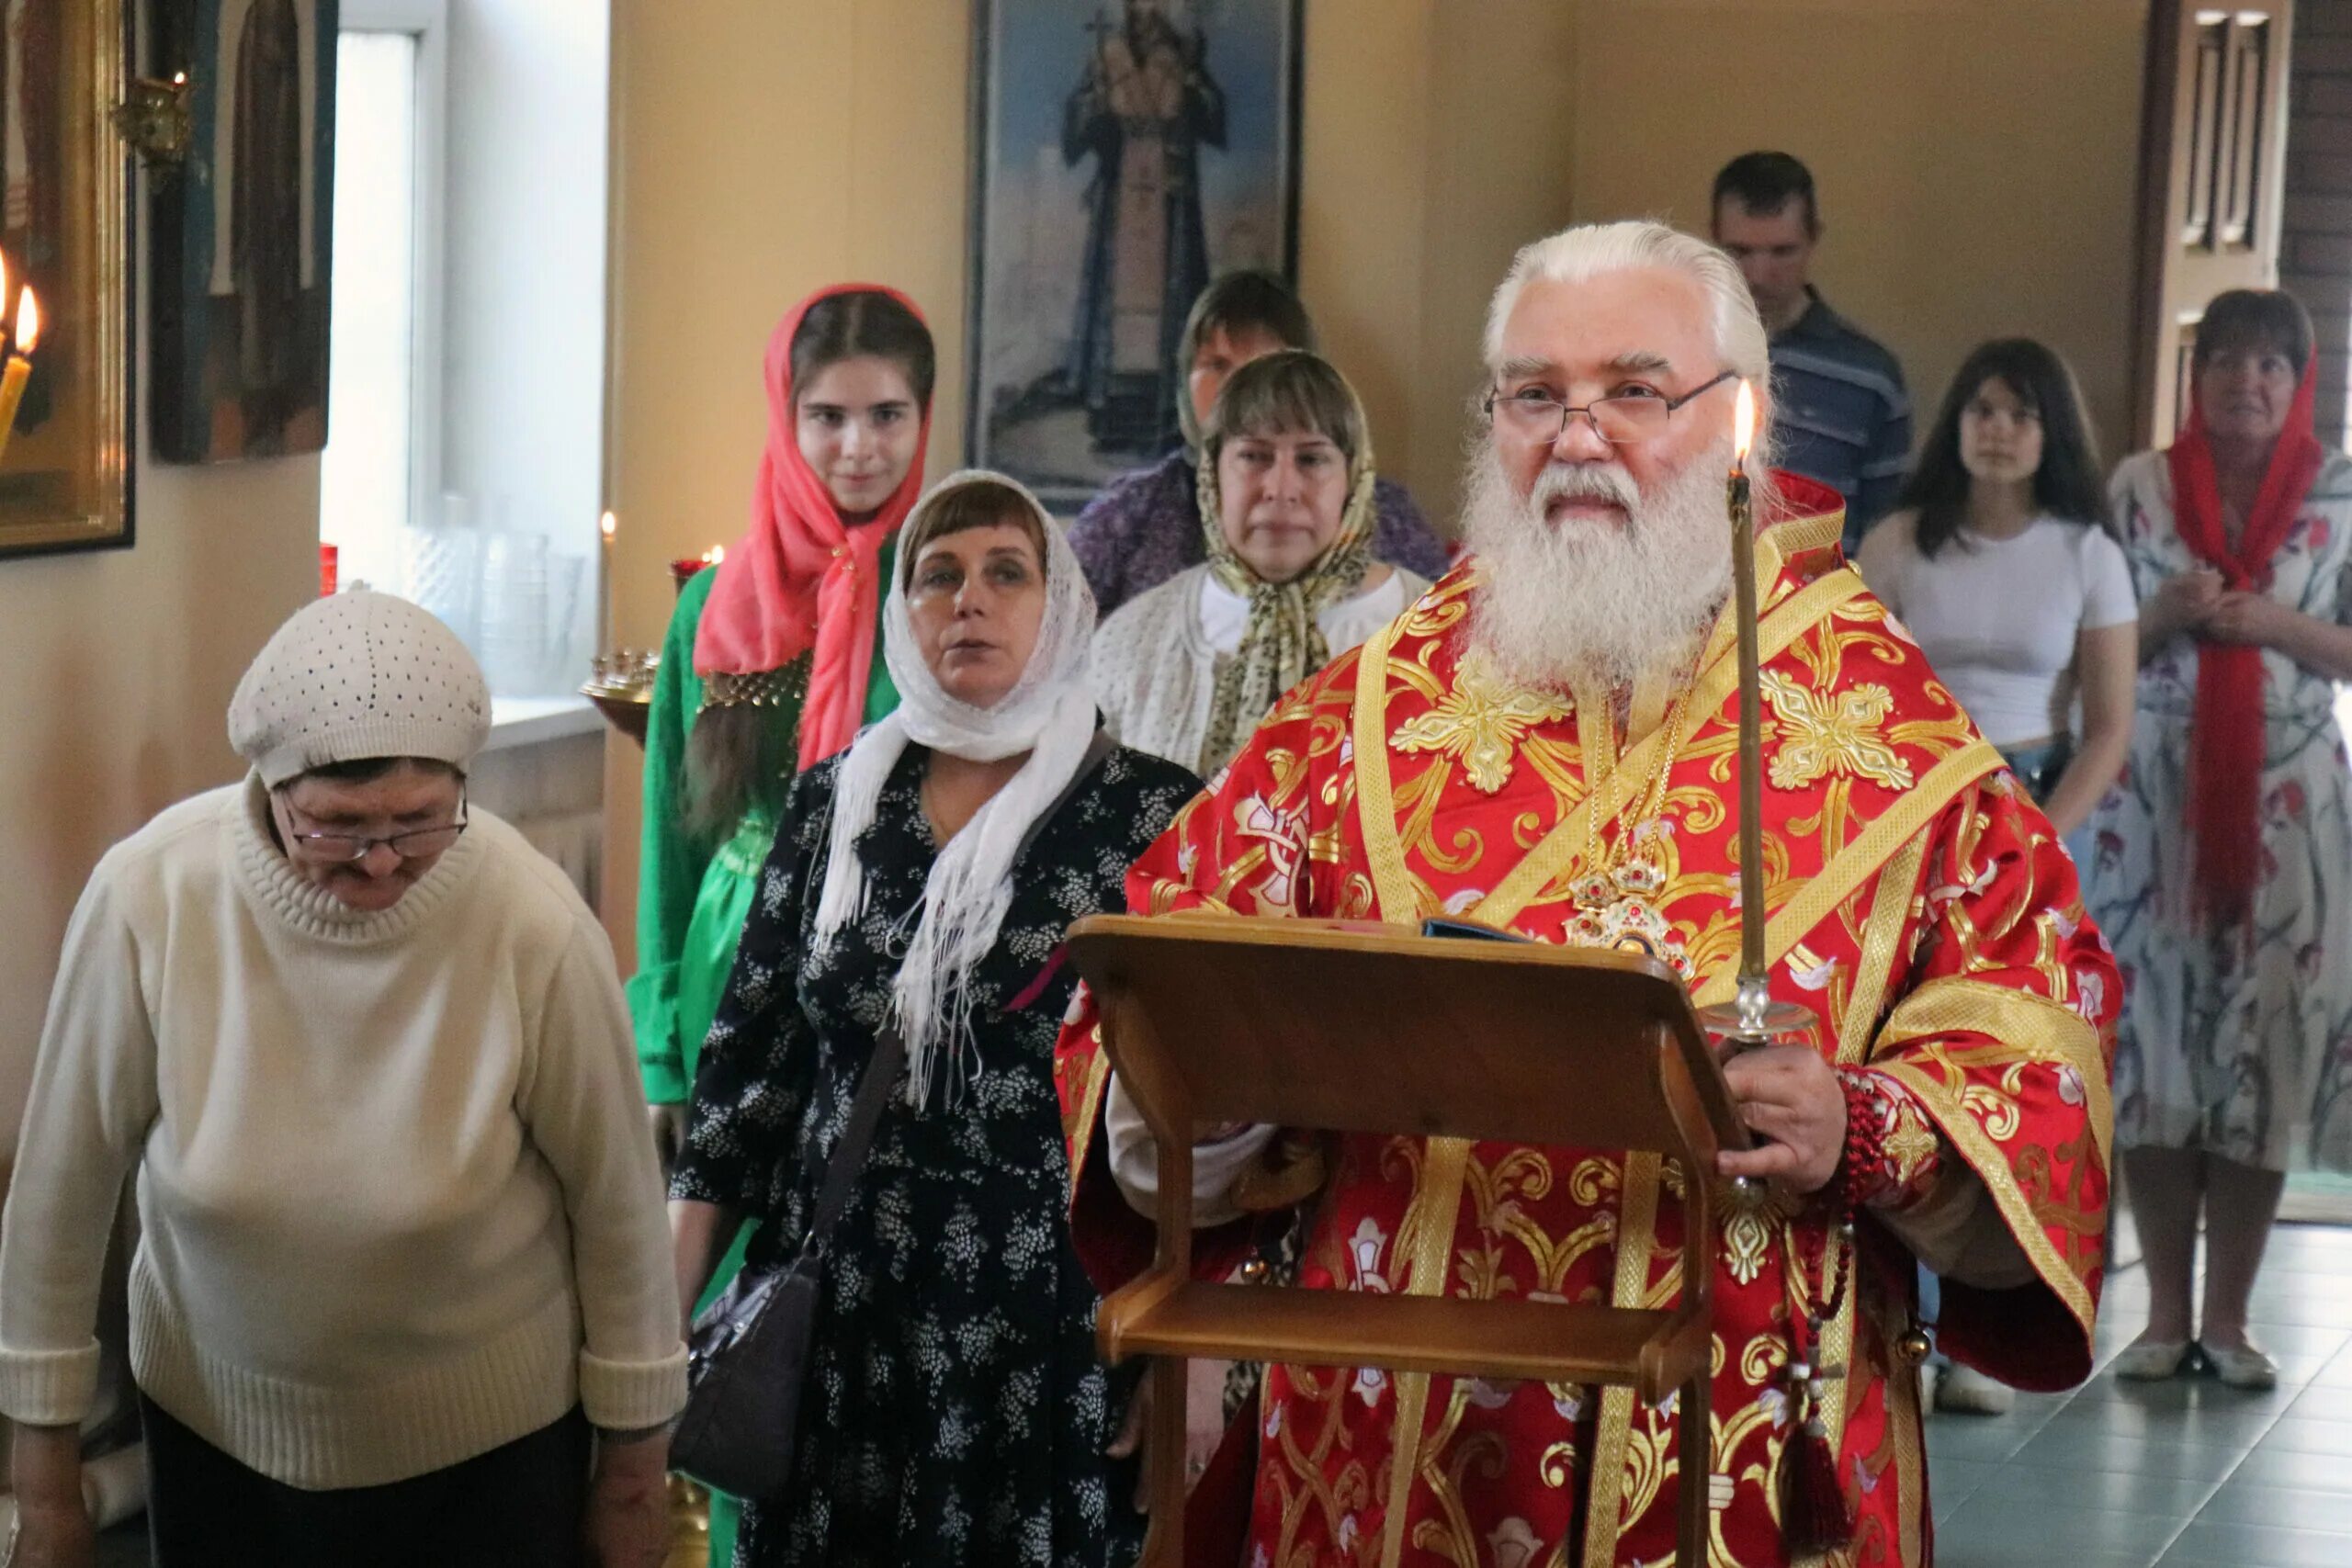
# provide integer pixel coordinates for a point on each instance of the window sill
(528, 721)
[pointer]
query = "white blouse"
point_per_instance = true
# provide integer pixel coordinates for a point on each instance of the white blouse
(1154, 661)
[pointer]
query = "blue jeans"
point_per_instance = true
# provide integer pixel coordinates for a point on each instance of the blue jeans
(2039, 768)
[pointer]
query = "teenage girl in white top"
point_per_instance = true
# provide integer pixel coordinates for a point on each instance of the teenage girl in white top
(2000, 561)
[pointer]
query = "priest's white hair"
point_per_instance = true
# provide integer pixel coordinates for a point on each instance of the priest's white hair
(1555, 605)
(1595, 250)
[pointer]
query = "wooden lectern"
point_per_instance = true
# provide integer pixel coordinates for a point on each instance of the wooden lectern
(1376, 1029)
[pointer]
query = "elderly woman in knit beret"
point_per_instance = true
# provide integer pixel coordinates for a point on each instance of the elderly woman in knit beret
(403, 1295)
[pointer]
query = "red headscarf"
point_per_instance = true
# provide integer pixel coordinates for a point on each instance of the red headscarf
(802, 578)
(2225, 742)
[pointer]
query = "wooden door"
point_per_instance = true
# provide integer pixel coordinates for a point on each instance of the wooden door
(2212, 179)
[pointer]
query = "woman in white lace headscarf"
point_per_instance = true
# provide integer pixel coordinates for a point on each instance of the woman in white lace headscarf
(1286, 501)
(913, 885)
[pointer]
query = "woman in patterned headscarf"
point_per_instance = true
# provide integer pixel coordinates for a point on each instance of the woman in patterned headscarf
(1286, 498)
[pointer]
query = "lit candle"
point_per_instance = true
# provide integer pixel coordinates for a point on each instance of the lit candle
(1741, 505)
(21, 365)
(718, 554)
(604, 528)
(1743, 427)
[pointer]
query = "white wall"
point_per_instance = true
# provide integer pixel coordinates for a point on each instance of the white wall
(523, 393)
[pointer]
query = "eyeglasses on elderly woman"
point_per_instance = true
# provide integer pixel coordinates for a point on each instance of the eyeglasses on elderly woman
(333, 847)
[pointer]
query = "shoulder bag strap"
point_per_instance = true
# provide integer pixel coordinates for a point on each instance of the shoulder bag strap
(890, 1050)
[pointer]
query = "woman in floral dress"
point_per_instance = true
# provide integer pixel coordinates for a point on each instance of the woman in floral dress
(955, 1411)
(2223, 872)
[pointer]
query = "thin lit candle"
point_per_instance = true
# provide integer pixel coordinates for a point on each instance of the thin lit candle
(20, 364)
(1741, 506)
(606, 527)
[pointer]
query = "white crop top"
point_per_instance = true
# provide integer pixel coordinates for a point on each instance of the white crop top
(1998, 617)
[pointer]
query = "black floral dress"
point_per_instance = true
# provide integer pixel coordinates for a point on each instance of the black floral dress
(955, 1412)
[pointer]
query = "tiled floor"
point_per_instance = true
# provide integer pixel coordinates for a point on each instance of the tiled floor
(2186, 1474)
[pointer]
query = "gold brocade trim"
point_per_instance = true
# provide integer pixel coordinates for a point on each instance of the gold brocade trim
(1090, 1110)
(1445, 1168)
(1714, 687)
(1910, 1463)
(1376, 796)
(1652, 694)
(786, 686)
(1803, 536)
(2036, 1027)
(1889, 911)
(1605, 1490)
(1859, 861)
(1992, 1167)
(1719, 675)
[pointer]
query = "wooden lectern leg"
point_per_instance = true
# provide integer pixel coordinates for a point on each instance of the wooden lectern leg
(1164, 1546)
(1697, 1466)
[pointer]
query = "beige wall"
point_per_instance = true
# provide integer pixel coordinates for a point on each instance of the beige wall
(1977, 159)
(760, 151)
(854, 119)
(119, 667)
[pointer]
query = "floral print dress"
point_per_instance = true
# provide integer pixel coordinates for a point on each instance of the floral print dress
(955, 1411)
(2240, 1049)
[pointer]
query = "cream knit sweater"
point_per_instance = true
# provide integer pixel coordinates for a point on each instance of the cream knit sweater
(400, 1199)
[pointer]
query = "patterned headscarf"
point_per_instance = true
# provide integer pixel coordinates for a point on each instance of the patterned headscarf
(1283, 643)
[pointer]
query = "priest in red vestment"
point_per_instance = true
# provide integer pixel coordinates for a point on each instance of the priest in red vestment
(1547, 741)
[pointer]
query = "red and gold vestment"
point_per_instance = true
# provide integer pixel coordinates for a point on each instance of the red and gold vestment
(1918, 902)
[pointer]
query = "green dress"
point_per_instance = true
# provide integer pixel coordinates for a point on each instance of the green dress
(692, 899)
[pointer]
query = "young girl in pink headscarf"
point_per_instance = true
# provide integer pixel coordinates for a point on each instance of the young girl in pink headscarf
(771, 665)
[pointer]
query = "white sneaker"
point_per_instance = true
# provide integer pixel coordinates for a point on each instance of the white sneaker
(2242, 1366)
(1966, 1390)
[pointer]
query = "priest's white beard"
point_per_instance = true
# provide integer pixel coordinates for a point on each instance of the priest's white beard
(1589, 601)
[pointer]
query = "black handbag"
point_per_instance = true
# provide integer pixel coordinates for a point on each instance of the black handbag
(748, 1353)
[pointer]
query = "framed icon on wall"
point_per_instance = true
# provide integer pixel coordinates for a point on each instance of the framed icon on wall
(1125, 152)
(65, 468)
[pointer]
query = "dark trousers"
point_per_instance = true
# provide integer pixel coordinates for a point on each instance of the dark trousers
(516, 1506)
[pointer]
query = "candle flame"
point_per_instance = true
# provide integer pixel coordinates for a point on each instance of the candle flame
(1744, 421)
(28, 321)
(718, 554)
(605, 525)
(4, 283)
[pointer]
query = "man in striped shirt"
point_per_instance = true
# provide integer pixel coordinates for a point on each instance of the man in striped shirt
(1843, 414)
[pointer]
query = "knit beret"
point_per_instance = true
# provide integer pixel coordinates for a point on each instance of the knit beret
(356, 676)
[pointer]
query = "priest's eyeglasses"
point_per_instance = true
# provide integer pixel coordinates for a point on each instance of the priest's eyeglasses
(417, 843)
(1536, 416)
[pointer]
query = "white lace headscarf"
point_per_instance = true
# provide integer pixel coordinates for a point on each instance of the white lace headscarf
(1049, 714)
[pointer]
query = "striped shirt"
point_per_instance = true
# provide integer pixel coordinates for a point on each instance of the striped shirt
(1844, 417)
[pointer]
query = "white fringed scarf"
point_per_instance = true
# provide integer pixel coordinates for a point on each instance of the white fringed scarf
(1049, 714)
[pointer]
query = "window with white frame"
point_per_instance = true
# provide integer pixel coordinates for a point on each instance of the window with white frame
(464, 463)
(379, 475)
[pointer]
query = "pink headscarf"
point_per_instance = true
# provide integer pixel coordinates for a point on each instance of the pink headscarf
(802, 578)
